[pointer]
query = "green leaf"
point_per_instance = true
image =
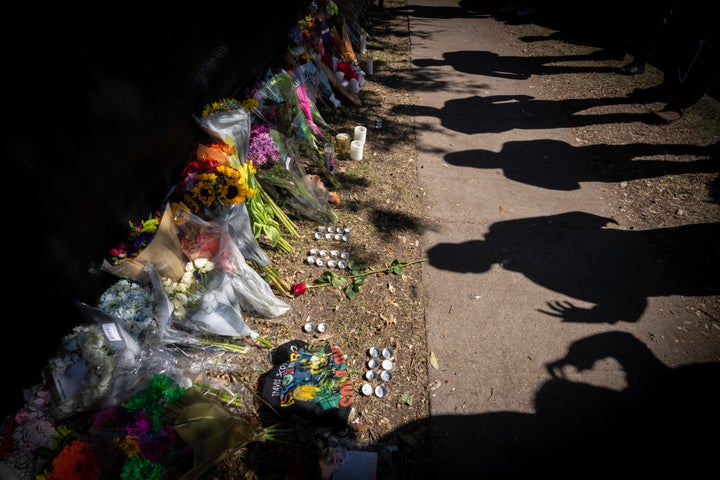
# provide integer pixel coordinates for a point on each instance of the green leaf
(272, 233)
(357, 270)
(351, 292)
(396, 267)
(407, 399)
(331, 278)
(325, 278)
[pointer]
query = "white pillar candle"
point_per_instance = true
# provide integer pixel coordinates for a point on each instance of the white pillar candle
(363, 42)
(356, 150)
(360, 133)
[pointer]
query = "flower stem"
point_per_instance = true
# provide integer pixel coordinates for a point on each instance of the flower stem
(371, 272)
(227, 346)
(265, 342)
(280, 215)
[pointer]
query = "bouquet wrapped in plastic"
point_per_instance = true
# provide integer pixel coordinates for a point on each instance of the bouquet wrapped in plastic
(163, 251)
(305, 194)
(284, 104)
(86, 365)
(252, 290)
(157, 431)
(259, 211)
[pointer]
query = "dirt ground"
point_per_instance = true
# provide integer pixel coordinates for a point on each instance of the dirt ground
(380, 201)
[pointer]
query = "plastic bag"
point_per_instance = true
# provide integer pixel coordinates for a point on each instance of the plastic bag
(252, 292)
(164, 252)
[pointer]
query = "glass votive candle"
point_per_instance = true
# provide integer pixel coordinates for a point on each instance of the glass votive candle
(342, 143)
(329, 153)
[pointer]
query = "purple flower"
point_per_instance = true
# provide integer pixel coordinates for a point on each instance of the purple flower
(262, 147)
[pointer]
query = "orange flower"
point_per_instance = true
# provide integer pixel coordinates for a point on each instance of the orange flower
(77, 461)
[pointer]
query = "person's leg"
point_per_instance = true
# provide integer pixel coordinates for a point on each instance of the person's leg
(696, 75)
(702, 75)
(644, 34)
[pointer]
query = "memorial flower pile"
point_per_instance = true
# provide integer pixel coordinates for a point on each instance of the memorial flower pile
(157, 432)
(186, 277)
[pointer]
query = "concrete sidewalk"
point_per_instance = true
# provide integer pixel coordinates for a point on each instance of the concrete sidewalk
(562, 346)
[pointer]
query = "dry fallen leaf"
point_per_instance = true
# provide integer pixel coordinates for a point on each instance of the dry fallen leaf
(433, 360)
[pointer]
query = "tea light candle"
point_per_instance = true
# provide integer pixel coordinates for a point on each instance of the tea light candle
(356, 150)
(360, 133)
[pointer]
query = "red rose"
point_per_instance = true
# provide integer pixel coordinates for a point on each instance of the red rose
(298, 289)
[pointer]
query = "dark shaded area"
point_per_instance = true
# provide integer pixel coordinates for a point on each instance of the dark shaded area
(99, 121)
(501, 113)
(657, 424)
(491, 64)
(580, 255)
(557, 165)
(609, 26)
(387, 222)
(613, 26)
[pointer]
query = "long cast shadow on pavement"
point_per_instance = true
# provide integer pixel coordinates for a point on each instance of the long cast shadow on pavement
(491, 64)
(557, 165)
(576, 255)
(653, 425)
(502, 113)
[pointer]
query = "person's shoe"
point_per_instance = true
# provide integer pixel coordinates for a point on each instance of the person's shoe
(632, 68)
(669, 115)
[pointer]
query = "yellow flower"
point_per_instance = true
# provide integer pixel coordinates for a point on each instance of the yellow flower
(250, 104)
(129, 445)
(305, 392)
(204, 191)
(235, 187)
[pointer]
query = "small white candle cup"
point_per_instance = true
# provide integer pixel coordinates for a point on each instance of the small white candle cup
(356, 150)
(360, 133)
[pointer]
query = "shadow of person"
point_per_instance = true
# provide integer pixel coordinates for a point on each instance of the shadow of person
(438, 11)
(661, 420)
(575, 255)
(557, 165)
(501, 113)
(490, 64)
